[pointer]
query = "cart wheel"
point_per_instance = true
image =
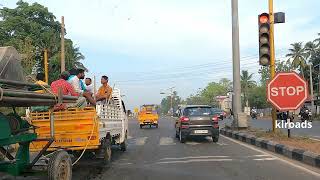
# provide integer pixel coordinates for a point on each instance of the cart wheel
(123, 145)
(106, 145)
(60, 166)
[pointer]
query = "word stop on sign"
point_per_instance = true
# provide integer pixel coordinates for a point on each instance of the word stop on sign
(287, 91)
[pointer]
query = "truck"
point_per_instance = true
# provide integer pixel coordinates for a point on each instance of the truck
(90, 130)
(148, 116)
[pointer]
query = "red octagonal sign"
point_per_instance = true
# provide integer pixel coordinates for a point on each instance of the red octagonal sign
(287, 91)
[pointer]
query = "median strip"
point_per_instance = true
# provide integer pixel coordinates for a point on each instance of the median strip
(280, 147)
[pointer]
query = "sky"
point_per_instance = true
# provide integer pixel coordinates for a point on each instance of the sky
(148, 46)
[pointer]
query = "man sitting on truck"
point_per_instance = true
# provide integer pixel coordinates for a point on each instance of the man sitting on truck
(67, 90)
(105, 91)
(77, 85)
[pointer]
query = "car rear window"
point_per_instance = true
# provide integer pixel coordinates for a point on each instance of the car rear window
(199, 111)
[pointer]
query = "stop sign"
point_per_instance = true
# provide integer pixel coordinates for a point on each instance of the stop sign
(287, 91)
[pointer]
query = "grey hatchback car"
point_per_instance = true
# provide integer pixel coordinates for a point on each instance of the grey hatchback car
(197, 120)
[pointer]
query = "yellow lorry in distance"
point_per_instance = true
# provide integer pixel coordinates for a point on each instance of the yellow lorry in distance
(148, 115)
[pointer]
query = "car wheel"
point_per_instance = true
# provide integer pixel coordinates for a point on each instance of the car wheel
(182, 138)
(215, 138)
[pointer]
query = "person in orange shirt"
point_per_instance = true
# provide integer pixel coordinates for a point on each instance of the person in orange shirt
(105, 91)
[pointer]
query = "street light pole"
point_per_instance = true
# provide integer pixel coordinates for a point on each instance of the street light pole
(236, 62)
(311, 88)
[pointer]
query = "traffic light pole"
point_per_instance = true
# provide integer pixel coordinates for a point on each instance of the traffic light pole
(272, 58)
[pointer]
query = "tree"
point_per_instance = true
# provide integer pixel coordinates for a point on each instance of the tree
(166, 102)
(297, 55)
(257, 97)
(31, 28)
(317, 41)
(246, 83)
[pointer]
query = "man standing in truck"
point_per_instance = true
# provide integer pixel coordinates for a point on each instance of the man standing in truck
(105, 91)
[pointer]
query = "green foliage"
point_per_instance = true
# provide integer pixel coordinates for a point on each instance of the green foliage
(166, 103)
(257, 97)
(246, 84)
(30, 28)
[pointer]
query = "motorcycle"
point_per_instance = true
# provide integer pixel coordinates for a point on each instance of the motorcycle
(306, 115)
(253, 114)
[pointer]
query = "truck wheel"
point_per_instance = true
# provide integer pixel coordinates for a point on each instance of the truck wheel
(60, 166)
(215, 138)
(106, 145)
(123, 145)
(182, 138)
(157, 126)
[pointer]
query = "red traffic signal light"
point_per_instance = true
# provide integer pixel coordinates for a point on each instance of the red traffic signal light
(264, 39)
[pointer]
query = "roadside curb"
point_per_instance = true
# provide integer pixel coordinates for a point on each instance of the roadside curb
(300, 155)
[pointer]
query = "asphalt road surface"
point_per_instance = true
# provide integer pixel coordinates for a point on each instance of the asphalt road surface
(156, 154)
(313, 132)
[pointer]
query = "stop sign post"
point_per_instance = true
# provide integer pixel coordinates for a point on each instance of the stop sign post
(287, 91)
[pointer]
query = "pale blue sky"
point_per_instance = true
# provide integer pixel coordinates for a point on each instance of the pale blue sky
(146, 46)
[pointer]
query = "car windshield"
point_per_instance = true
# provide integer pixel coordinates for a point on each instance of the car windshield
(199, 111)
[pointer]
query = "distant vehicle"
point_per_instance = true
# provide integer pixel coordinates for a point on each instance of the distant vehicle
(148, 116)
(221, 112)
(306, 114)
(253, 113)
(197, 120)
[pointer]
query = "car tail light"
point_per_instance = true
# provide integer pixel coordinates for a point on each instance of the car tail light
(215, 118)
(184, 119)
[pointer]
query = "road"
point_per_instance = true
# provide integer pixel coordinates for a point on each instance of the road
(265, 124)
(156, 154)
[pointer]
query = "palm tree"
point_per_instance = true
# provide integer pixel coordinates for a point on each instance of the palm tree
(317, 41)
(298, 56)
(310, 49)
(246, 83)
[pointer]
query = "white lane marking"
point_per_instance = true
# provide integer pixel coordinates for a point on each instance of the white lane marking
(192, 143)
(266, 159)
(221, 144)
(193, 157)
(259, 155)
(165, 141)
(263, 152)
(130, 137)
(141, 141)
(193, 160)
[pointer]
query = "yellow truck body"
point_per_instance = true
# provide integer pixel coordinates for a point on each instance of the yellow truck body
(148, 116)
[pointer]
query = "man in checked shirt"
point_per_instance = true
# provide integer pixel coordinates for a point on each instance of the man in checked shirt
(67, 89)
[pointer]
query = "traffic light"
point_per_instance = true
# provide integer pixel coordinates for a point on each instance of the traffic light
(264, 39)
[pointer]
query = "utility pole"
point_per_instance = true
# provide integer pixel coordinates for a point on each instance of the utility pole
(311, 88)
(236, 63)
(45, 57)
(272, 58)
(63, 64)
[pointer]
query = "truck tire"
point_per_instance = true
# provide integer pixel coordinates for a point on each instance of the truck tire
(60, 166)
(123, 145)
(106, 145)
(157, 126)
(182, 138)
(140, 126)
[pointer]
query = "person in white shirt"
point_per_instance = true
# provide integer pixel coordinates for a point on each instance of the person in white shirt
(77, 84)
(88, 83)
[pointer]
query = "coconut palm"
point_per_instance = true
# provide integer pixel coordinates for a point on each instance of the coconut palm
(297, 55)
(246, 83)
(317, 41)
(310, 49)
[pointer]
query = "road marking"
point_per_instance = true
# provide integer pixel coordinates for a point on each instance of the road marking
(221, 144)
(259, 155)
(279, 158)
(130, 137)
(141, 141)
(193, 157)
(266, 159)
(193, 160)
(165, 141)
(192, 143)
